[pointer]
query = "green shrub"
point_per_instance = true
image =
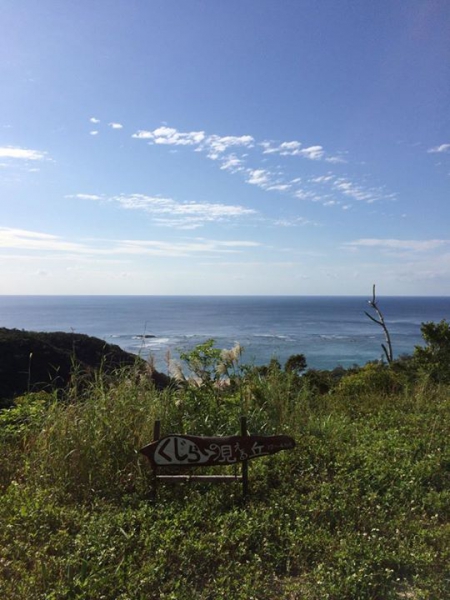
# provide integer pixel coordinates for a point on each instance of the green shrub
(373, 378)
(433, 360)
(19, 426)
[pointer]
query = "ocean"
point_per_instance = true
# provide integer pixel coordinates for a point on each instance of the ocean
(329, 331)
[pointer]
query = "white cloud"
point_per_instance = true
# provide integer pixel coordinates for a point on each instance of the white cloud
(21, 153)
(170, 136)
(439, 149)
(313, 152)
(32, 240)
(54, 247)
(168, 205)
(142, 134)
(216, 148)
(289, 147)
(394, 244)
(293, 148)
(285, 148)
(323, 179)
(183, 248)
(93, 132)
(216, 144)
(293, 222)
(279, 187)
(305, 195)
(259, 177)
(355, 191)
(232, 163)
(94, 120)
(237, 243)
(335, 160)
(254, 264)
(170, 213)
(116, 125)
(350, 189)
(85, 196)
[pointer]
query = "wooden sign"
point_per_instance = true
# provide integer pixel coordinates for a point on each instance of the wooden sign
(192, 451)
(184, 451)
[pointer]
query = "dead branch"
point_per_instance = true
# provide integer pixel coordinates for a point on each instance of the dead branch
(380, 321)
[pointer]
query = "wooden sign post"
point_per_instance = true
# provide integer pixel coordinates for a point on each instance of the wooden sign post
(187, 451)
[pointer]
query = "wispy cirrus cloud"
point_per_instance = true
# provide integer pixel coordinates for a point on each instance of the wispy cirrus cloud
(184, 215)
(341, 189)
(399, 245)
(85, 196)
(55, 247)
(256, 264)
(259, 177)
(246, 156)
(279, 187)
(323, 178)
(294, 222)
(23, 239)
(170, 213)
(266, 180)
(167, 212)
(216, 145)
(294, 148)
(336, 160)
(439, 149)
(284, 149)
(22, 153)
(313, 152)
(183, 248)
(96, 122)
(355, 191)
(171, 137)
(232, 163)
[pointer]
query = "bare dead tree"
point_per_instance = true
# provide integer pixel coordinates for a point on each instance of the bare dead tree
(380, 321)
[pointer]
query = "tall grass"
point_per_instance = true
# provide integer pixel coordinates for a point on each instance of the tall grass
(359, 509)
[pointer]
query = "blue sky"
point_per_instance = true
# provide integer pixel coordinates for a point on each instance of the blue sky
(225, 147)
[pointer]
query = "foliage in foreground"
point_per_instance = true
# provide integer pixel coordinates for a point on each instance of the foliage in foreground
(359, 510)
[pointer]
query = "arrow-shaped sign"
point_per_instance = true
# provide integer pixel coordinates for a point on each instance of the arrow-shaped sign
(191, 451)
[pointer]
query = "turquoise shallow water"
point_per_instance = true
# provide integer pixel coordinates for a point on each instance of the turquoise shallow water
(330, 331)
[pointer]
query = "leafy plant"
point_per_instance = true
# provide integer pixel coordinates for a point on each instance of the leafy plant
(433, 360)
(296, 364)
(370, 379)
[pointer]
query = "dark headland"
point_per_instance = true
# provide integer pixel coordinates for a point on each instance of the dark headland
(35, 361)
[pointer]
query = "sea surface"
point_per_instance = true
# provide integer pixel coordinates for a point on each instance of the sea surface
(329, 331)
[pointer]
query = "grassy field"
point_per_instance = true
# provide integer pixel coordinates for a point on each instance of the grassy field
(358, 510)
